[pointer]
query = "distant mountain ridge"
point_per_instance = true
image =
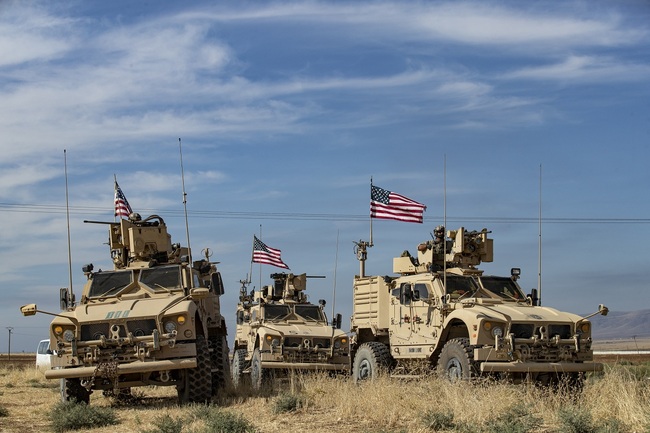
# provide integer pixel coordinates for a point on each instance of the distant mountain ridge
(621, 324)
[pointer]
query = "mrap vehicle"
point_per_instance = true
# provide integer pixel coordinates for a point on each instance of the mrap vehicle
(153, 320)
(441, 311)
(279, 330)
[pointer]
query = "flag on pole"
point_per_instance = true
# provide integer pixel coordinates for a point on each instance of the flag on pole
(386, 204)
(262, 253)
(122, 207)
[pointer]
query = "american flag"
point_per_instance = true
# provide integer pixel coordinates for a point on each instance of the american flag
(122, 207)
(386, 204)
(262, 253)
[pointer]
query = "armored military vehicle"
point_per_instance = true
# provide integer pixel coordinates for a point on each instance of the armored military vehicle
(442, 311)
(279, 330)
(153, 320)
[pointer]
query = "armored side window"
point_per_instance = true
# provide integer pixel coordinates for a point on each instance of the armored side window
(421, 291)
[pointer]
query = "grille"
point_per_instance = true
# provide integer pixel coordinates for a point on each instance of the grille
(564, 331)
(522, 330)
(139, 328)
(323, 343)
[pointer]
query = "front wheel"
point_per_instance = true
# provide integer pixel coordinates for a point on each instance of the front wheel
(456, 360)
(73, 390)
(238, 367)
(196, 383)
(260, 377)
(370, 360)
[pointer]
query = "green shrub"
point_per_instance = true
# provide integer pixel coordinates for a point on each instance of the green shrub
(438, 420)
(575, 420)
(287, 403)
(227, 422)
(517, 419)
(78, 416)
(166, 424)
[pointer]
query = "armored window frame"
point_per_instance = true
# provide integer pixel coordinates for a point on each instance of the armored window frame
(158, 279)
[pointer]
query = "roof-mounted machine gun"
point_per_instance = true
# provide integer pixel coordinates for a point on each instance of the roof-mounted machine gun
(287, 287)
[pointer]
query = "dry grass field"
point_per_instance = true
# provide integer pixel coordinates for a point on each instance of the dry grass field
(617, 401)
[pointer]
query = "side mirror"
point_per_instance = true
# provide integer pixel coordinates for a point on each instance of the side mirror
(200, 293)
(216, 283)
(28, 310)
(603, 310)
(534, 299)
(337, 321)
(64, 298)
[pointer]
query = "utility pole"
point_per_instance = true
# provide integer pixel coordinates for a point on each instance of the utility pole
(9, 328)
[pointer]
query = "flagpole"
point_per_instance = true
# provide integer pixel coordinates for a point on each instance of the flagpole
(539, 258)
(370, 213)
(114, 194)
(250, 272)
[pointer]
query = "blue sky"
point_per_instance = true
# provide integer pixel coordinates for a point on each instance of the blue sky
(287, 109)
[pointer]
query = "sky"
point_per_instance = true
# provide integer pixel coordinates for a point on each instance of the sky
(491, 113)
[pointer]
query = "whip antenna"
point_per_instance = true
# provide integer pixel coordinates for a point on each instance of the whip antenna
(67, 215)
(187, 226)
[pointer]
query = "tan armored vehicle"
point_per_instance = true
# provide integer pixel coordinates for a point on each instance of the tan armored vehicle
(441, 311)
(153, 320)
(278, 330)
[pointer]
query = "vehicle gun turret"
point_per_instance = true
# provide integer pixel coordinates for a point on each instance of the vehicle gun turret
(459, 249)
(287, 287)
(138, 243)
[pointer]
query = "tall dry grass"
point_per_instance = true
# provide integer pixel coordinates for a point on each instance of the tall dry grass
(619, 398)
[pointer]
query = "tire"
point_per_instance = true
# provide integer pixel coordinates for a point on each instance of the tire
(196, 383)
(370, 360)
(220, 365)
(73, 390)
(261, 378)
(238, 367)
(456, 361)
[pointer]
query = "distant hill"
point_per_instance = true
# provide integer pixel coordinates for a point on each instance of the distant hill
(621, 324)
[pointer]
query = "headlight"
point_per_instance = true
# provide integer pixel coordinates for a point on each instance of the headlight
(68, 335)
(497, 331)
(584, 328)
(341, 342)
(273, 340)
(58, 330)
(170, 326)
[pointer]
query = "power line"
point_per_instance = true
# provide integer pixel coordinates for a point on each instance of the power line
(304, 216)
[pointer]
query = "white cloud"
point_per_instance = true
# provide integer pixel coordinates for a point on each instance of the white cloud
(584, 69)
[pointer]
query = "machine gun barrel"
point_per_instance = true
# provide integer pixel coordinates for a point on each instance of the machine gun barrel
(98, 222)
(315, 276)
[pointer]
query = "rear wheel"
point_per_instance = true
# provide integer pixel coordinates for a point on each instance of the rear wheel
(370, 361)
(196, 383)
(456, 360)
(73, 390)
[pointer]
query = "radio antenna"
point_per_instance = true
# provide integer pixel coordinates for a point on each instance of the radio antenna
(67, 215)
(187, 226)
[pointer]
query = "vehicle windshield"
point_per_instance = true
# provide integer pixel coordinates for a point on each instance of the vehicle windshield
(503, 287)
(109, 283)
(160, 279)
(310, 312)
(460, 286)
(275, 312)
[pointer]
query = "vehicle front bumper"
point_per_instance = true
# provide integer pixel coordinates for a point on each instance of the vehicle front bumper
(126, 368)
(540, 367)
